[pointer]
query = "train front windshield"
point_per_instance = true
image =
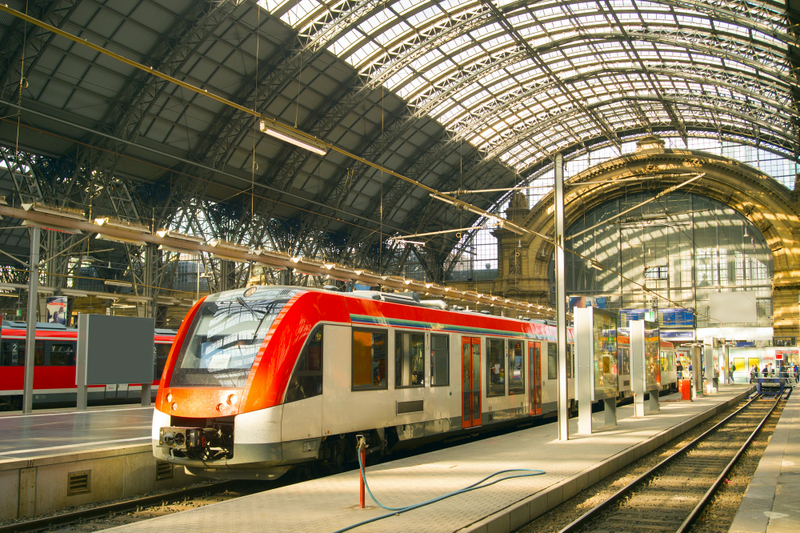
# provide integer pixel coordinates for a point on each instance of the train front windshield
(224, 339)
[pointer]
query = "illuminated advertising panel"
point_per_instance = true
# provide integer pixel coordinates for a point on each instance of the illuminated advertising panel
(652, 344)
(606, 371)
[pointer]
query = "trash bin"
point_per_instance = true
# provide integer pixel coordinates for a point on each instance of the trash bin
(686, 389)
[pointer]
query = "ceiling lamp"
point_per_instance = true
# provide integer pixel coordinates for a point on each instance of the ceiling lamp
(118, 283)
(121, 224)
(292, 136)
(123, 240)
(168, 233)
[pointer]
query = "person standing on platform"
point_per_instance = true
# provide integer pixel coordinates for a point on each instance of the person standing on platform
(795, 369)
(753, 373)
(733, 369)
(679, 368)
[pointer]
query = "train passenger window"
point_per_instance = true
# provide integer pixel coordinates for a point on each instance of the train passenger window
(62, 354)
(496, 368)
(162, 353)
(13, 353)
(409, 359)
(369, 360)
(307, 377)
(552, 361)
(440, 360)
(516, 365)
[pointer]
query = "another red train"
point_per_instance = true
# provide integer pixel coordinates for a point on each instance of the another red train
(54, 367)
(267, 378)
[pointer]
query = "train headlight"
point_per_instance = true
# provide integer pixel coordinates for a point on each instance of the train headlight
(175, 406)
(232, 399)
(169, 398)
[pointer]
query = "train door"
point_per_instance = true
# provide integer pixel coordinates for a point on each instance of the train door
(471, 382)
(535, 377)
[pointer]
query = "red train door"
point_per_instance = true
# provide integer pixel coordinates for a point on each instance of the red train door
(535, 377)
(471, 382)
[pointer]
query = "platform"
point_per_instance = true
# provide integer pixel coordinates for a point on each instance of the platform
(771, 502)
(57, 431)
(331, 503)
(59, 458)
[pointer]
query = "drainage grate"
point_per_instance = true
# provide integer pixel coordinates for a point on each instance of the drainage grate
(79, 483)
(164, 470)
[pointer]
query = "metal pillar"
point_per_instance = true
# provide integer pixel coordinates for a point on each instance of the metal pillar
(561, 302)
(33, 308)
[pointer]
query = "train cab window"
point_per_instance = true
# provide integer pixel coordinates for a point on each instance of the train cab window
(516, 367)
(552, 361)
(306, 379)
(13, 353)
(62, 354)
(440, 360)
(224, 339)
(370, 359)
(409, 359)
(495, 368)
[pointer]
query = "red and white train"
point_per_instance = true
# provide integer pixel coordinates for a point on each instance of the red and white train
(264, 379)
(54, 367)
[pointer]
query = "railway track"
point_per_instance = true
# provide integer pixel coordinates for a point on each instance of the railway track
(133, 510)
(671, 495)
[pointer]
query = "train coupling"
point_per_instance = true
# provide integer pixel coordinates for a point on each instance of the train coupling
(187, 439)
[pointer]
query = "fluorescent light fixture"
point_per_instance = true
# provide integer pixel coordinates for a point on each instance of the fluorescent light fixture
(403, 241)
(173, 249)
(168, 300)
(51, 227)
(229, 246)
(163, 233)
(65, 212)
(113, 297)
(228, 257)
(139, 299)
(284, 133)
(123, 240)
(74, 293)
(117, 283)
(594, 264)
(121, 224)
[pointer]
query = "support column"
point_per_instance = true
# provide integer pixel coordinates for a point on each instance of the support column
(33, 308)
(561, 297)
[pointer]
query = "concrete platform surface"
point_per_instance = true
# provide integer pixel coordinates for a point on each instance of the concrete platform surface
(772, 501)
(331, 503)
(63, 431)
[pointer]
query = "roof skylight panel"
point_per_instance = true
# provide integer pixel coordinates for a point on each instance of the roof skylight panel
(298, 13)
(378, 20)
(404, 6)
(272, 5)
(457, 43)
(426, 16)
(399, 78)
(361, 53)
(429, 58)
(343, 43)
(691, 21)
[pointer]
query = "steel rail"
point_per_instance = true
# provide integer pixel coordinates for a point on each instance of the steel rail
(581, 522)
(712, 490)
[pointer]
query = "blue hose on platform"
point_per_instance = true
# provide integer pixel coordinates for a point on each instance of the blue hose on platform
(475, 486)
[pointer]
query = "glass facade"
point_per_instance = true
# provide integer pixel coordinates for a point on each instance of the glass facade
(682, 246)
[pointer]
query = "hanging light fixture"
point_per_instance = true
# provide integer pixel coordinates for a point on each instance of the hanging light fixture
(284, 133)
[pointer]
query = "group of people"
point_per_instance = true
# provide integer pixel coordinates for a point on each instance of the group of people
(790, 372)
